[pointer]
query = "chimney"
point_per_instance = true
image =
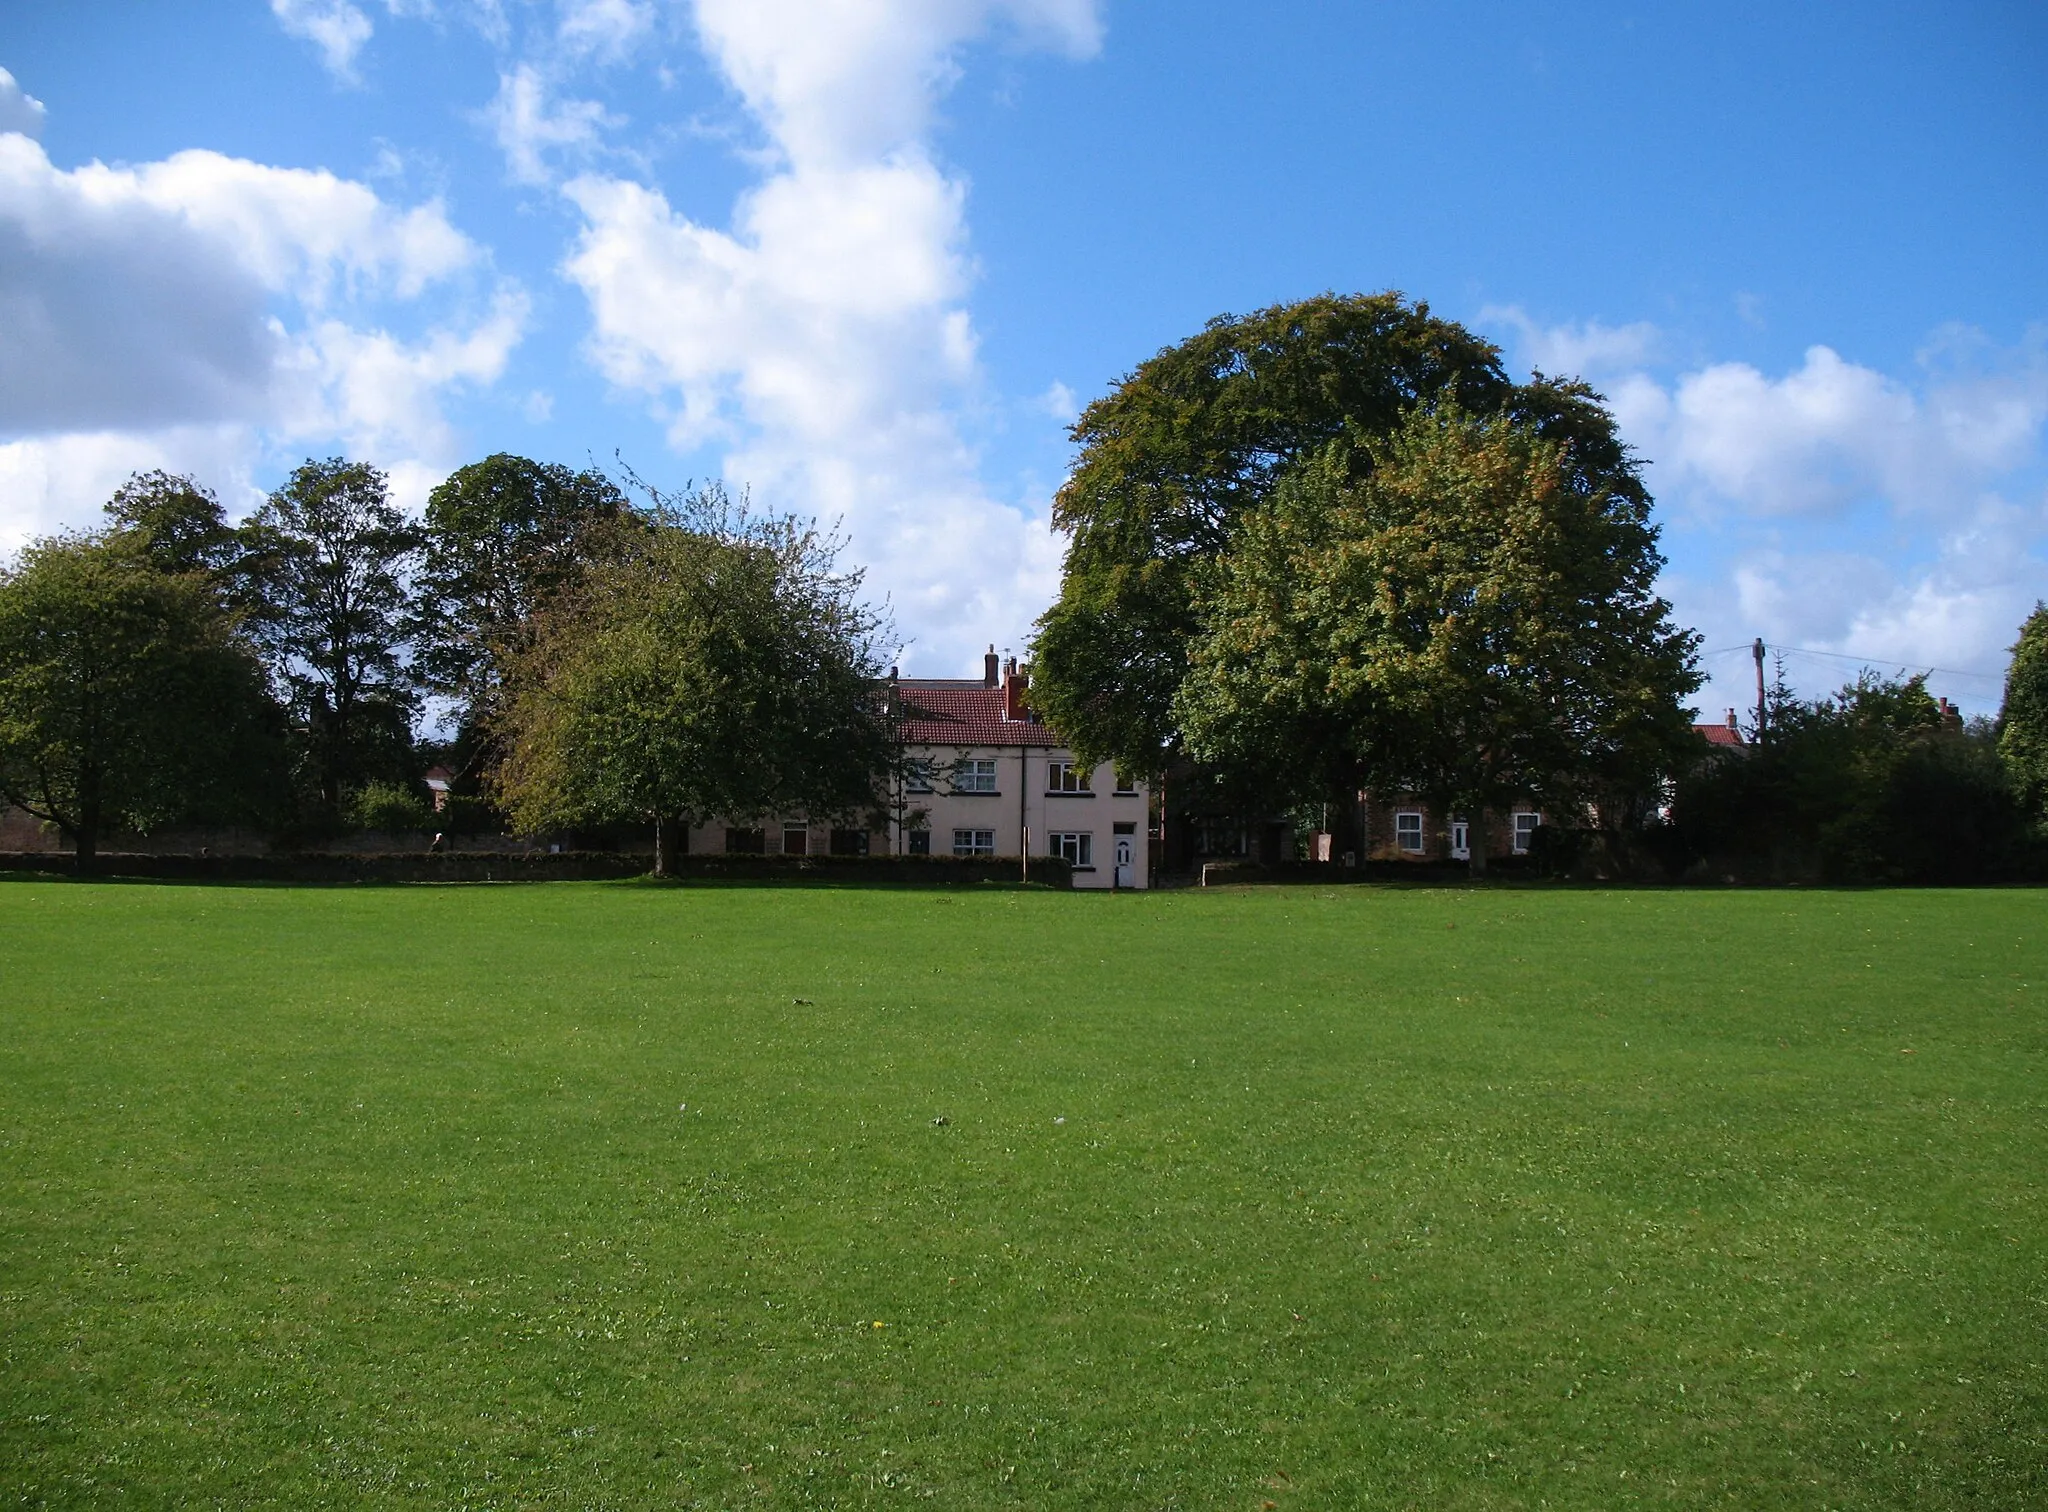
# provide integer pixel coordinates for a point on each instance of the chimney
(1731, 721)
(1014, 684)
(988, 668)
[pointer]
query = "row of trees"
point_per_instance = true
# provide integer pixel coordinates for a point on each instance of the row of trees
(601, 661)
(1877, 783)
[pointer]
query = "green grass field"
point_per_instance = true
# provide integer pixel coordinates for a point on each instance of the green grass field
(389, 1197)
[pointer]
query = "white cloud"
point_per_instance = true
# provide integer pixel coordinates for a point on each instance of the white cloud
(204, 310)
(824, 338)
(1830, 434)
(140, 296)
(1835, 508)
(528, 125)
(51, 482)
(19, 111)
(380, 395)
(1589, 349)
(838, 81)
(336, 27)
(604, 28)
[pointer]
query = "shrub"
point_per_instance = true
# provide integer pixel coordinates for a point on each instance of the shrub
(388, 807)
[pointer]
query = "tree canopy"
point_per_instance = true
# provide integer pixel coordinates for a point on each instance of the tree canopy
(1469, 618)
(2023, 721)
(126, 697)
(327, 559)
(501, 536)
(1175, 457)
(1870, 784)
(723, 666)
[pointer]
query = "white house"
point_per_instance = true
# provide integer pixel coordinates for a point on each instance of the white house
(987, 779)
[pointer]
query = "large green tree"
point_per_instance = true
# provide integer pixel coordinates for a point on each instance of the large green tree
(127, 699)
(2023, 721)
(326, 561)
(1183, 448)
(721, 667)
(1471, 618)
(501, 536)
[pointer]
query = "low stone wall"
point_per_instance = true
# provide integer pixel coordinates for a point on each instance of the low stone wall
(545, 866)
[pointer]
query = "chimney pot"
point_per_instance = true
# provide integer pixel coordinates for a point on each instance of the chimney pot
(989, 675)
(1731, 721)
(1013, 691)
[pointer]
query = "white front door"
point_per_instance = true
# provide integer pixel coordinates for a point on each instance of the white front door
(1461, 840)
(1123, 862)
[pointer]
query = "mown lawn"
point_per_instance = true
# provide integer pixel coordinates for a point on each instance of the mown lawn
(617, 1195)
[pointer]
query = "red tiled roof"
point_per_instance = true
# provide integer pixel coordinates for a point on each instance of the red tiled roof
(1719, 734)
(953, 714)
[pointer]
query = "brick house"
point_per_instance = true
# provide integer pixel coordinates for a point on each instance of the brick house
(1406, 828)
(985, 779)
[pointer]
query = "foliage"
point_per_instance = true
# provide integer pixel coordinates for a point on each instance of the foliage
(470, 814)
(723, 667)
(389, 808)
(586, 1195)
(1472, 618)
(175, 524)
(1868, 785)
(2023, 721)
(501, 536)
(327, 559)
(126, 697)
(1197, 438)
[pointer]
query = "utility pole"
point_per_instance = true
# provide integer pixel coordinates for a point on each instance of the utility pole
(1758, 651)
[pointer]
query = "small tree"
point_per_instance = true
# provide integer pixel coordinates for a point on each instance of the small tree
(126, 697)
(2023, 721)
(724, 667)
(1474, 621)
(327, 559)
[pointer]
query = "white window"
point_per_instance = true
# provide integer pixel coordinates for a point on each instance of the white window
(1076, 849)
(974, 842)
(796, 840)
(1066, 777)
(1408, 830)
(1126, 785)
(974, 776)
(1525, 826)
(917, 775)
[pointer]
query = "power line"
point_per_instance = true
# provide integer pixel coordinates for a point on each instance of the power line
(1867, 661)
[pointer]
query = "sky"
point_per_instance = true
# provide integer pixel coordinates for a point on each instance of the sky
(865, 260)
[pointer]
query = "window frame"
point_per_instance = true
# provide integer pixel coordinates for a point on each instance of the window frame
(1520, 836)
(1419, 830)
(1069, 779)
(973, 849)
(1075, 847)
(970, 768)
(918, 775)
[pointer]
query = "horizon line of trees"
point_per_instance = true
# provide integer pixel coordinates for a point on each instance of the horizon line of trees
(1323, 548)
(602, 660)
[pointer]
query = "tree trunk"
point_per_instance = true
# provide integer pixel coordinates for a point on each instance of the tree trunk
(86, 839)
(666, 831)
(1475, 840)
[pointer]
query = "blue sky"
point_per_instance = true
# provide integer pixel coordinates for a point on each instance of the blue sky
(867, 257)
